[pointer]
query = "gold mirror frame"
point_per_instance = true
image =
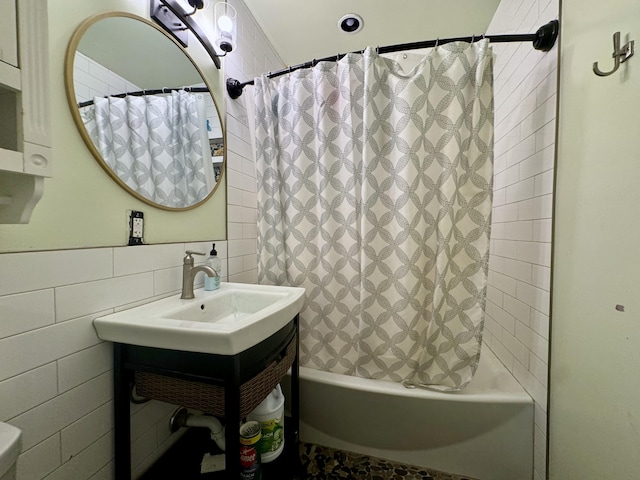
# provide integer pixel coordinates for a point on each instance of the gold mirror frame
(75, 111)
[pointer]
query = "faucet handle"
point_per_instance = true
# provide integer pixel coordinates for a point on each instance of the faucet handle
(188, 259)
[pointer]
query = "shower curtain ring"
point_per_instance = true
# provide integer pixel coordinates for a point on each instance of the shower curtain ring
(437, 41)
(313, 62)
(378, 50)
(473, 38)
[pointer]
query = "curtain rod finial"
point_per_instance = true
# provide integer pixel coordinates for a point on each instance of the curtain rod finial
(546, 36)
(234, 88)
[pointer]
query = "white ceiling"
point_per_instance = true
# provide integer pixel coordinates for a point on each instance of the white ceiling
(301, 30)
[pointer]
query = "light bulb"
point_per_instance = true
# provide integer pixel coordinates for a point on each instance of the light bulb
(225, 24)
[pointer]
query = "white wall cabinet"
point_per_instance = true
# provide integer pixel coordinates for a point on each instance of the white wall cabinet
(25, 126)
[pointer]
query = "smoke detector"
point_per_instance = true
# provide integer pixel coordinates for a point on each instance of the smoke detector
(350, 23)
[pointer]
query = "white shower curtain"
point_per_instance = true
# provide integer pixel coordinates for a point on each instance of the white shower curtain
(154, 144)
(375, 193)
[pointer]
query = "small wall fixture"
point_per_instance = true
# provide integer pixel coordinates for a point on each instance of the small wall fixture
(620, 55)
(172, 17)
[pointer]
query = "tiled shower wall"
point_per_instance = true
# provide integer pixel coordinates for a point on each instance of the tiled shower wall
(252, 56)
(517, 320)
(56, 374)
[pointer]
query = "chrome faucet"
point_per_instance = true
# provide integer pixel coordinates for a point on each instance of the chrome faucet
(189, 274)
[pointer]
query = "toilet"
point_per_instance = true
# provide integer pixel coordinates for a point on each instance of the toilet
(10, 444)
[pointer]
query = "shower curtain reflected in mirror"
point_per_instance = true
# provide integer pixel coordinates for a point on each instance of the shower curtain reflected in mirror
(156, 144)
(375, 194)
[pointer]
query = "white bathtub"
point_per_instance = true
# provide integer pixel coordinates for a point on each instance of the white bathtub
(485, 432)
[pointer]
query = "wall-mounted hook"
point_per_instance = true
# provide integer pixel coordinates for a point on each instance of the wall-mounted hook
(620, 55)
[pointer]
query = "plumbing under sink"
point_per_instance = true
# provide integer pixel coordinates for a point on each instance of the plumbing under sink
(10, 444)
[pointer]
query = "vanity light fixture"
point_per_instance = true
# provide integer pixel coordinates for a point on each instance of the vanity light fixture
(173, 18)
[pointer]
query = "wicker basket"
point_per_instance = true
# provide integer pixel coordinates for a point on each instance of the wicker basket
(210, 398)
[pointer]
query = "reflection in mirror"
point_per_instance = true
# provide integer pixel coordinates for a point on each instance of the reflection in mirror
(144, 110)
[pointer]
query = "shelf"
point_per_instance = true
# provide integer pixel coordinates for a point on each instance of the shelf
(183, 459)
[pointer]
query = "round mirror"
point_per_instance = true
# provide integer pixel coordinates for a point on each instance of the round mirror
(144, 110)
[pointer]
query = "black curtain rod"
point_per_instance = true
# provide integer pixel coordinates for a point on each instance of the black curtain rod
(141, 93)
(544, 39)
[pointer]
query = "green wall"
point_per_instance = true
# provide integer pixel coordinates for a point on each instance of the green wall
(82, 206)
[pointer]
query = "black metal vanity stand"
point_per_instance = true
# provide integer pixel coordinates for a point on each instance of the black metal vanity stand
(228, 371)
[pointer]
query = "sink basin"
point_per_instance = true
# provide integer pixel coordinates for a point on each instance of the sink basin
(226, 321)
(10, 444)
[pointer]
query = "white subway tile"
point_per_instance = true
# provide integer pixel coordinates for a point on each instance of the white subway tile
(240, 181)
(26, 311)
(539, 370)
(534, 297)
(34, 349)
(544, 183)
(88, 462)
(546, 136)
(148, 416)
(533, 387)
(505, 213)
(505, 248)
(86, 430)
(536, 208)
(540, 162)
(234, 196)
(534, 342)
(518, 230)
(249, 231)
(45, 420)
(167, 281)
(236, 266)
(502, 353)
(540, 323)
(494, 295)
(503, 283)
(541, 277)
(108, 472)
(84, 365)
(521, 190)
(145, 258)
(240, 248)
(22, 392)
(245, 277)
(504, 319)
(542, 230)
(37, 462)
(75, 300)
(523, 150)
(144, 446)
(24, 272)
(496, 263)
(518, 270)
(537, 253)
(250, 262)
(518, 309)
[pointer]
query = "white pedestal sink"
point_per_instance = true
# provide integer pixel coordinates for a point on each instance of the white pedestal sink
(226, 321)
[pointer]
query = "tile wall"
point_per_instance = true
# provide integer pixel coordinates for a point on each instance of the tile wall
(252, 57)
(517, 320)
(56, 374)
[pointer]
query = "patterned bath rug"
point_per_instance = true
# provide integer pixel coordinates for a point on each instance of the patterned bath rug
(324, 463)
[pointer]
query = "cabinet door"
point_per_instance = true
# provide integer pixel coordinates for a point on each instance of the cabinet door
(8, 33)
